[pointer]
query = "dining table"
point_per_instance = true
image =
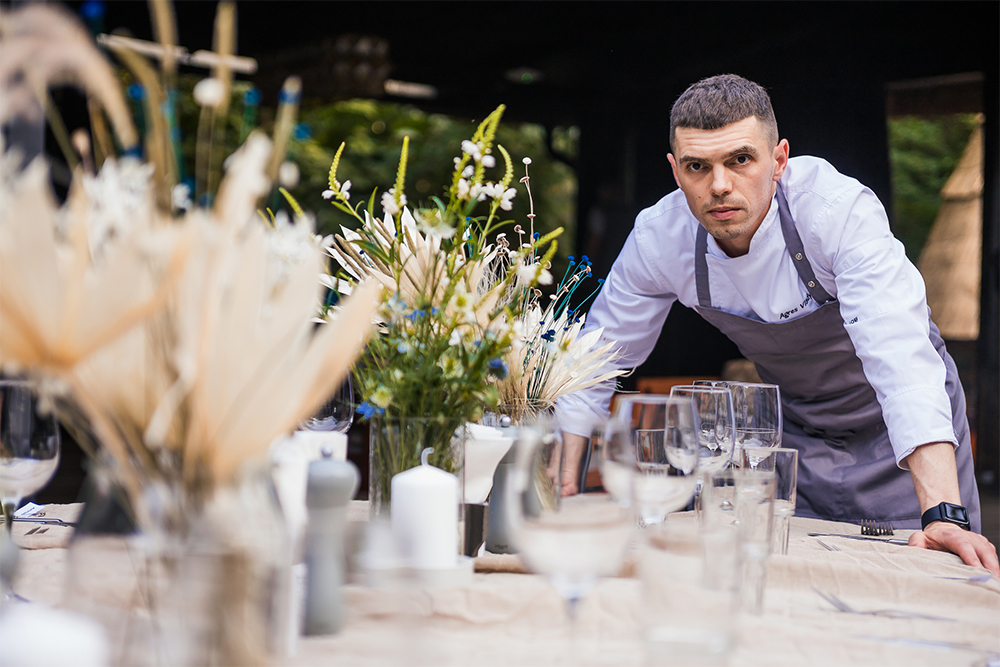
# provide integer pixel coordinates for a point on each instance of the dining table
(505, 615)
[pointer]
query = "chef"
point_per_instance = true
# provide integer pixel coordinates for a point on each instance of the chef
(795, 263)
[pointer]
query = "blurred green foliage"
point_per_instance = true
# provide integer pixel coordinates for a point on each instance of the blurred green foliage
(923, 152)
(374, 134)
(374, 131)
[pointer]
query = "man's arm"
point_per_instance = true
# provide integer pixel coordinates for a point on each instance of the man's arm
(935, 479)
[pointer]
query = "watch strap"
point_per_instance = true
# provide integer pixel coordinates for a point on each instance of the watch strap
(947, 512)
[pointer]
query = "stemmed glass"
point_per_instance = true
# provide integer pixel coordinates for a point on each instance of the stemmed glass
(717, 435)
(758, 416)
(652, 443)
(29, 446)
(572, 540)
(337, 413)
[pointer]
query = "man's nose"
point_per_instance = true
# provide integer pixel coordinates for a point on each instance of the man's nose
(721, 183)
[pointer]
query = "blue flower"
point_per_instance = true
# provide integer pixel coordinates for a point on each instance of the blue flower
(366, 410)
(498, 368)
(549, 335)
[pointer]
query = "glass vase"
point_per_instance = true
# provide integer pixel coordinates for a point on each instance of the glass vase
(395, 445)
(202, 582)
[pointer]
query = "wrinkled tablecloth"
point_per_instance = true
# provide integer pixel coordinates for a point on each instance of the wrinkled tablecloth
(509, 618)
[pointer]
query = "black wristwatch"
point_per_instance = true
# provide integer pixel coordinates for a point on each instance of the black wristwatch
(948, 512)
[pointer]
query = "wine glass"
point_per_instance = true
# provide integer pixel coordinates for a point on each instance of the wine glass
(337, 413)
(572, 540)
(717, 435)
(29, 446)
(652, 443)
(758, 416)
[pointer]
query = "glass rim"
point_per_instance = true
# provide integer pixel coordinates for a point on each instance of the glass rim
(700, 388)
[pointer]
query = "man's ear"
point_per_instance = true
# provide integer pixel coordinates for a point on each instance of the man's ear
(780, 159)
(673, 167)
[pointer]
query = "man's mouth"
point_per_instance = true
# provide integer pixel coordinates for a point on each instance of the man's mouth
(723, 212)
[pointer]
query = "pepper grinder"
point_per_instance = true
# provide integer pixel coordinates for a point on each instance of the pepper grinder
(331, 484)
(497, 540)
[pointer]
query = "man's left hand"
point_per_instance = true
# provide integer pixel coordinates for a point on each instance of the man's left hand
(971, 547)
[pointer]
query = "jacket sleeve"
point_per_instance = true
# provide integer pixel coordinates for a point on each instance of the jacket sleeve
(631, 307)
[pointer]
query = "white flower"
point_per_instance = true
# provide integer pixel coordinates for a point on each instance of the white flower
(463, 188)
(345, 190)
(489, 192)
(472, 150)
(456, 338)
(468, 172)
(526, 273)
(180, 196)
(505, 199)
(475, 192)
(209, 92)
(389, 202)
(328, 194)
(489, 161)
(544, 278)
(288, 174)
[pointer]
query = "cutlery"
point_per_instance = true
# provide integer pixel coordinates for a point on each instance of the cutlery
(887, 613)
(862, 537)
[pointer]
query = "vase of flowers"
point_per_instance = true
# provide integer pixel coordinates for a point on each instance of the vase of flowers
(446, 317)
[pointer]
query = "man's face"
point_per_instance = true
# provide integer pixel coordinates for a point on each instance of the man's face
(728, 176)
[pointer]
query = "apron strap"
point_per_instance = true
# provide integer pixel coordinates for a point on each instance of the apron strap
(797, 251)
(701, 268)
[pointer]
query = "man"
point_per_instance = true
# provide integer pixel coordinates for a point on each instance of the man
(795, 263)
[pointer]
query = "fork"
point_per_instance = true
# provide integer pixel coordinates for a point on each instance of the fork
(887, 613)
(873, 527)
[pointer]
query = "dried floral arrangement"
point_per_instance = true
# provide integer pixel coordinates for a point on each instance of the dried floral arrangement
(180, 336)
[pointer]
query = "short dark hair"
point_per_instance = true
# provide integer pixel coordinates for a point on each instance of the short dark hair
(719, 101)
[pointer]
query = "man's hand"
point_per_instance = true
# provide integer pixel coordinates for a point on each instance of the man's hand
(574, 447)
(935, 479)
(973, 548)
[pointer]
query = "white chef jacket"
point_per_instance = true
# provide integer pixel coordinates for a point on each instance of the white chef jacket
(845, 233)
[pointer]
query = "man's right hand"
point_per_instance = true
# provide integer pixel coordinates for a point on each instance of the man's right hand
(573, 448)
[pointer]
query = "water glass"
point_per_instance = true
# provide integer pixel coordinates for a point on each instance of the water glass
(690, 585)
(652, 441)
(755, 517)
(784, 463)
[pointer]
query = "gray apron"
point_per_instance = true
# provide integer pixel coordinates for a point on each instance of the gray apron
(847, 469)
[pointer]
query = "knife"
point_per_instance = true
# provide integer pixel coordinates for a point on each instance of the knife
(862, 537)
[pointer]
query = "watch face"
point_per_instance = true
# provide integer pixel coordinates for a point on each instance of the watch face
(955, 513)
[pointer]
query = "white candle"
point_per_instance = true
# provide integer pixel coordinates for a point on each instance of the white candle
(424, 512)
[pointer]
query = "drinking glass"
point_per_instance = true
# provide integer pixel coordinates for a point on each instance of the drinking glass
(784, 463)
(758, 416)
(572, 540)
(690, 593)
(336, 414)
(652, 443)
(29, 446)
(755, 521)
(717, 435)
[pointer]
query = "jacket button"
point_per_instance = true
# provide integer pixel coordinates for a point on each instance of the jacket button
(798, 256)
(811, 284)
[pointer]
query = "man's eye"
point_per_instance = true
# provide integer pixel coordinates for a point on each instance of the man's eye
(694, 166)
(742, 159)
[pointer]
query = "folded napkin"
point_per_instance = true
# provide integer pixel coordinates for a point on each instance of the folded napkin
(484, 447)
(32, 535)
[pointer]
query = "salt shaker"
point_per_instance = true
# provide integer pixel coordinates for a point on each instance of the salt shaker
(331, 485)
